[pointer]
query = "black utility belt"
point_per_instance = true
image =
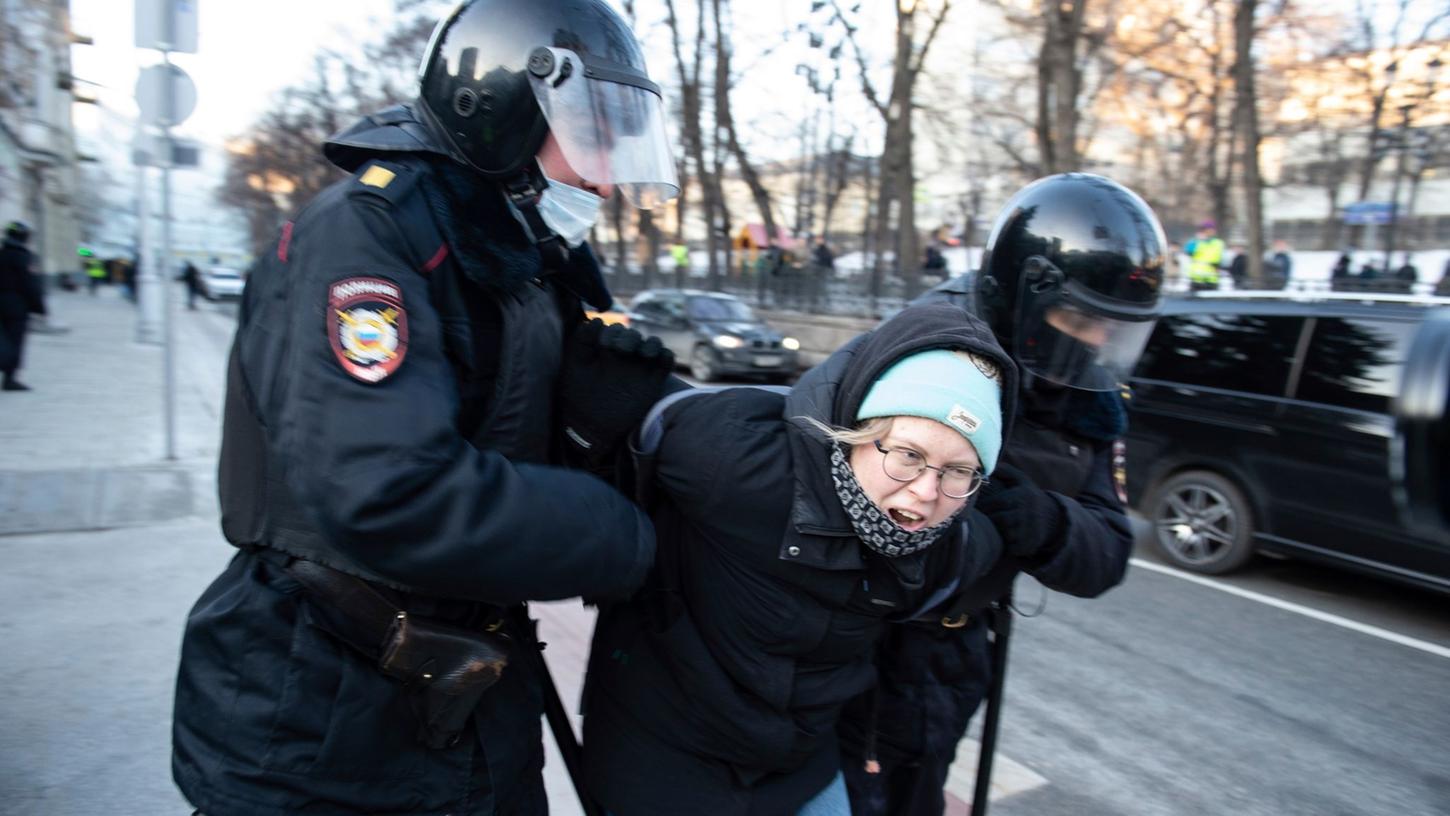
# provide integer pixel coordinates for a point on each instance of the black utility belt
(446, 667)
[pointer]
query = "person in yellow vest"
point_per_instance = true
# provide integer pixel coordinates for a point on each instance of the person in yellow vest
(681, 254)
(1205, 253)
(95, 271)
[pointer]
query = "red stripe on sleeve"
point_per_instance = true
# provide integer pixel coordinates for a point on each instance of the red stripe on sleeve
(285, 242)
(438, 258)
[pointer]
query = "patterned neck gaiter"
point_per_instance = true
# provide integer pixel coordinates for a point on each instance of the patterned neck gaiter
(876, 529)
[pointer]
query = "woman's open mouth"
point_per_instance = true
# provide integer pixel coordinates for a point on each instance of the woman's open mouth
(905, 519)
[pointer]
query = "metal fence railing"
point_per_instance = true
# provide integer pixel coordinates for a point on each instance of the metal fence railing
(797, 288)
(812, 290)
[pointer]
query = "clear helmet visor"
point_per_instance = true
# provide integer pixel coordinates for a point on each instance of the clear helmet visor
(1066, 344)
(610, 130)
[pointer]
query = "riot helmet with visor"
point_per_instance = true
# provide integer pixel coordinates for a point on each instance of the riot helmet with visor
(1071, 280)
(499, 75)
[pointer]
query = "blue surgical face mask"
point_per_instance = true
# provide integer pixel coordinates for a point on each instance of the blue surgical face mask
(568, 210)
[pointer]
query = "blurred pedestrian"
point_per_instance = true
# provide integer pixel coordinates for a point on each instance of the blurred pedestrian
(793, 528)
(21, 295)
(681, 255)
(1407, 276)
(127, 269)
(192, 278)
(1280, 266)
(1205, 254)
(1074, 317)
(414, 414)
(95, 273)
(934, 263)
(1238, 268)
(1443, 287)
(823, 257)
(1342, 275)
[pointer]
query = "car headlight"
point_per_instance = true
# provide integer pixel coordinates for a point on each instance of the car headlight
(726, 341)
(790, 343)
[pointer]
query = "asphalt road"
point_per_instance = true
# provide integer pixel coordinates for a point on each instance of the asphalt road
(1169, 696)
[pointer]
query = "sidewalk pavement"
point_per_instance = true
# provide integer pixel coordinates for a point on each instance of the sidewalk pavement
(106, 545)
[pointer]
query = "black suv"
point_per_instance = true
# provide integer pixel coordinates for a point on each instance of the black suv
(714, 334)
(1263, 424)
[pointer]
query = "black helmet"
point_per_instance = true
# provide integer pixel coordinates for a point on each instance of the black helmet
(501, 74)
(1071, 279)
(17, 231)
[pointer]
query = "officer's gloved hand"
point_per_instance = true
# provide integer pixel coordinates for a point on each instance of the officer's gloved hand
(1029, 520)
(610, 377)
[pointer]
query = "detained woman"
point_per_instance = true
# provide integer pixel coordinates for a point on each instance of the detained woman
(793, 528)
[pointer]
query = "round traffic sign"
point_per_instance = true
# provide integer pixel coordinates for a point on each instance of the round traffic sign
(166, 95)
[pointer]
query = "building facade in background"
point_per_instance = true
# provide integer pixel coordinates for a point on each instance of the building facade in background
(39, 178)
(1338, 177)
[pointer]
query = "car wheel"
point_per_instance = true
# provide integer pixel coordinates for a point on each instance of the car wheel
(1201, 522)
(703, 364)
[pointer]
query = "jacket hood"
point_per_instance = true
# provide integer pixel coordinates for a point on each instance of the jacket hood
(915, 329)
(832, 393)
(399, 129)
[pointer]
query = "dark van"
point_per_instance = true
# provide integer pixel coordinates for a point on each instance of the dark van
(1262, 424)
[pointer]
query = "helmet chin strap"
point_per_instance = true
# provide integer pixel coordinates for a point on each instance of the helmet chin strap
(524, 190)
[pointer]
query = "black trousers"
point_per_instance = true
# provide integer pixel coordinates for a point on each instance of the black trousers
(11, 344)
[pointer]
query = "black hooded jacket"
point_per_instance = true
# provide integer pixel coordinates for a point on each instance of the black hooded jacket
(716, 689)
(436, 482)
(937, 676)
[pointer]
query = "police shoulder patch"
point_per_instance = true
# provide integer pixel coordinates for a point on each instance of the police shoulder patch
(367, 326)
(388, 182)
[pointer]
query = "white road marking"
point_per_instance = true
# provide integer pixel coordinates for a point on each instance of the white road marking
(1008, 776)
(1308, 612)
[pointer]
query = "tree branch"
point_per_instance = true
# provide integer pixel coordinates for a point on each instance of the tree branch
(866, 86)
(936, 22)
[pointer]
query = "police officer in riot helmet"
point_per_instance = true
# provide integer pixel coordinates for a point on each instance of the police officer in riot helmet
(415, 414)
(1070, 283)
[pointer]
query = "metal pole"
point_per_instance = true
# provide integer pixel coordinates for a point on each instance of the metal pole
(1001, 624)
(554, 711)
(148, 290)
(164, 271)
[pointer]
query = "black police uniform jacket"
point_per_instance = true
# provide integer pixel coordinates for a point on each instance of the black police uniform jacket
(432, 481)
(717, 688)
(934, 677)
(20, 296)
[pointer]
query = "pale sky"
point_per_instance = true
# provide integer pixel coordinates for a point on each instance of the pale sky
(247, 50)
(250, 49)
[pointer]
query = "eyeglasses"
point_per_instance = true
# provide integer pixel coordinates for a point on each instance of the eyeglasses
(906, 465)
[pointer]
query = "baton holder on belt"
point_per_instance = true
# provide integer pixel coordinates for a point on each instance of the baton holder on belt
(446, 668)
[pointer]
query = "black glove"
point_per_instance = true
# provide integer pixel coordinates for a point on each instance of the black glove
(1029, 520)
(610, 377)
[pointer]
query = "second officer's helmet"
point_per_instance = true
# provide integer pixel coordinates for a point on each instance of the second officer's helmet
(499, 75)
(18, 232)
(1071, 279)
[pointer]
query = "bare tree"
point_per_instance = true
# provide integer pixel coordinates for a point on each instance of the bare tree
(689, 72)
(897, 184)
(1059, 83)
(725, 120)
(1247, 116)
